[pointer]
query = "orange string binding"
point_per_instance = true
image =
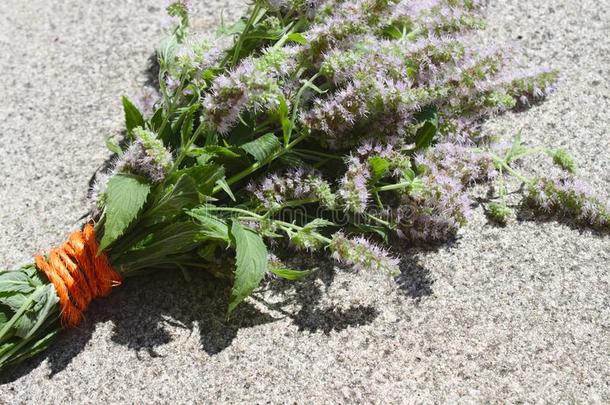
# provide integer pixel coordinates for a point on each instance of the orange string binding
(78, 273)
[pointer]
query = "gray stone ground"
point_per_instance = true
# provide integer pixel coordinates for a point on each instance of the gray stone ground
(519, 314)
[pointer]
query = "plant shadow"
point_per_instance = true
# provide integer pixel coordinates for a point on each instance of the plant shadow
(144, 309)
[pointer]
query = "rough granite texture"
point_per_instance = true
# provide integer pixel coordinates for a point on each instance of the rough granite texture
(514, 314)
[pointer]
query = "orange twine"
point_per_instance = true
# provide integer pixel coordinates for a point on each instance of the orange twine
(78, 273)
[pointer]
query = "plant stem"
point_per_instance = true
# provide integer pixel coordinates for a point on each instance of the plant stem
(249, 23)
(391, 187)
(257, 165)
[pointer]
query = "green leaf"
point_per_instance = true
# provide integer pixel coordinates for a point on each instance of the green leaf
(285, 120)
(208, 251)
(250, 263)
(163, 246)
(205, 176)
(211, 227)
(15, 282)
(235, 28)
(187, 128)
(214, 152)
(175, 238)
(289, 274)
(392, 32)
(516, 150)
(175, 199)
(298, 38)
(291, 159)
(379, 168)
(125, 197)
(263, 147)
(133, 117)
(113, 146)
(13, 300)
(425, 134)
(167, 50)
(226, 188)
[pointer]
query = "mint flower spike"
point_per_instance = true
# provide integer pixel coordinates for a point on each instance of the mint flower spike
(564, 160)
(298, 185)
(571, 198)
(146, 156)
(362, 254)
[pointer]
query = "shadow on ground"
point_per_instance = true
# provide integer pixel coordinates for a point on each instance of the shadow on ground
(142, 309)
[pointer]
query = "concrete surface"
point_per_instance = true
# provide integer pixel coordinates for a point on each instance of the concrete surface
(515, 314)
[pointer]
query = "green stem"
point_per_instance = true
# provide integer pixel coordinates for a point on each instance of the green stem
(378, 220)
(513, 172)
(186, 148)
(290, 29)
(302, 201)
(309, 152)
(295, 106)
(249, 24)
(285, 225)
(24, 307)
(391, 187)
(257, 165)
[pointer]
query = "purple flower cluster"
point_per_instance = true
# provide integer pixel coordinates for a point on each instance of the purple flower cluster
(146, 100)
(353, 186)
(362, 254)
(146, 156)
(379, 80)
(198, 54)
(570, 198)
(255, 85)
(438, 16)
(294, 184)
(137, 160)
(460, 162)
(435, 210)
(440, 205)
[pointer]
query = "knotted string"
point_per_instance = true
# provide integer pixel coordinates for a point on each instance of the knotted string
(78, 273)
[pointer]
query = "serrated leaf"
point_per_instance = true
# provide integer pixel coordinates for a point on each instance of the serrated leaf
(15, 282)
(187, 128)
(163, 245)
(516, 150)
(167, 50)
(175, 199)
(379, 168)
(13, 300)
(133, 117)
(204, 176)
(318, 223)
(207, 252)
(226, 188)
(235, 28)
(291, 159)
(250, 263)
(175, 238)
(113, 146)
(6, 347)
(211, 226)
(298, 38)
(283, 112)
(125, 197)
(262, 147)
(426, 133)
(289, 274)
